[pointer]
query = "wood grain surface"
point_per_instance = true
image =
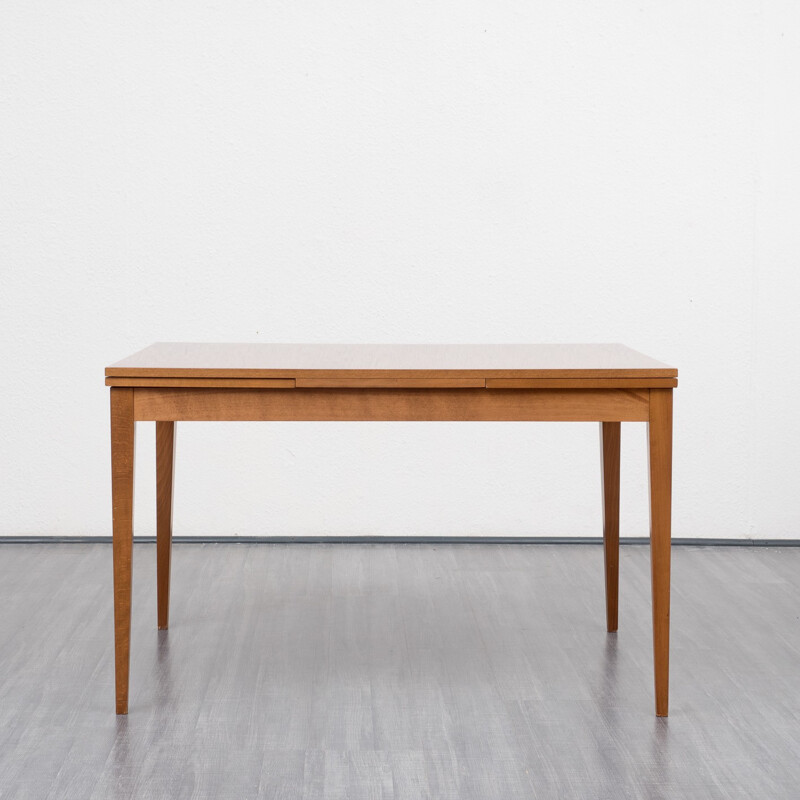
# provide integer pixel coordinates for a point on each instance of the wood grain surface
(346, 361)
(605, 383)
(209, 383)
(392, 404)
(123, 442)
(165, 472)
(610, 466)
(660, 446)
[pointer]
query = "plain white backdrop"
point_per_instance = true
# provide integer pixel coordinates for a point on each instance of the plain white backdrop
(505, 171)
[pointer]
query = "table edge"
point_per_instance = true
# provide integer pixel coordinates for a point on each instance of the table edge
(373, 380)
(574, 374)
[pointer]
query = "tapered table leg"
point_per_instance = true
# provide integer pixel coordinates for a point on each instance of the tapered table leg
(165, 468)
(609, 457)
(660, 439)
(122, 458)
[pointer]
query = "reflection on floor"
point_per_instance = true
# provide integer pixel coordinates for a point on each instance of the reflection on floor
(399, 671)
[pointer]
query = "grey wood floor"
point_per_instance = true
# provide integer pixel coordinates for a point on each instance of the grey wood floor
(398, 671)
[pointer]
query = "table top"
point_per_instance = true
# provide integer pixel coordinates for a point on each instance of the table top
(369, 361)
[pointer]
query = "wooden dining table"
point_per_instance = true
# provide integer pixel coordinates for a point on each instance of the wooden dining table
(604, 383)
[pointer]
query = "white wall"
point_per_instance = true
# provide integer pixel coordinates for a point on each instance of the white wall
(401, 172)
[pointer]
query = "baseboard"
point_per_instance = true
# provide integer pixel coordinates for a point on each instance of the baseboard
(694, 542)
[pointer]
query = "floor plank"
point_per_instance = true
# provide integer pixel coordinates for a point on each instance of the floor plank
(398, 671)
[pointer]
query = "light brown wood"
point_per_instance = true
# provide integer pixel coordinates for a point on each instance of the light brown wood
(122, 462)
(579, 383)
(660, 441)
(588, 405)
(609, 461)
(604, 383)
(390, 383)
(339, 361)
(211, 383)
(165, 472)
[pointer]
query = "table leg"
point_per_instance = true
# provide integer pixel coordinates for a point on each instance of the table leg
(609, 459)
(122, 458)
(165, 469)
(660, 437)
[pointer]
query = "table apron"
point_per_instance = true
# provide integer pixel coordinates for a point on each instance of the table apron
(372, 405)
